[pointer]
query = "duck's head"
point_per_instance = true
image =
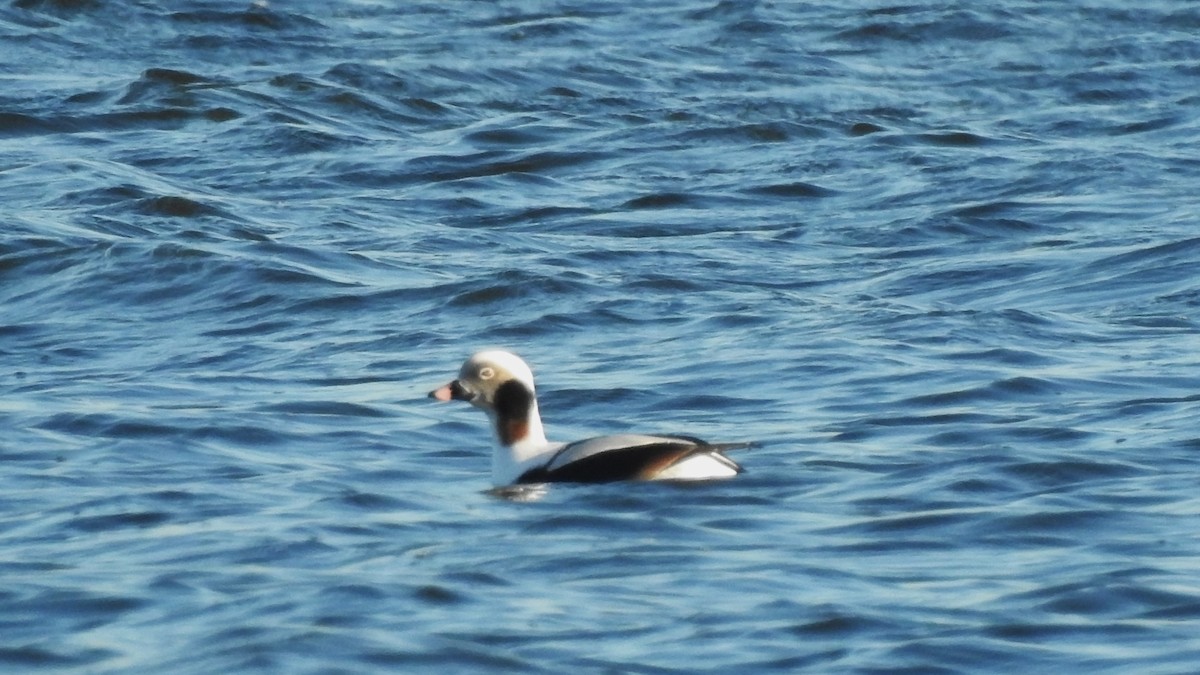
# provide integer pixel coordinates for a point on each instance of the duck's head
(501, 384)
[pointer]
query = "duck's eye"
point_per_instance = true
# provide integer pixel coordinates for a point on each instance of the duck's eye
(486, 373)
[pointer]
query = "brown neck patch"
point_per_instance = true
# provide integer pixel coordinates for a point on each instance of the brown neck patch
(513, 403)
(512, 430)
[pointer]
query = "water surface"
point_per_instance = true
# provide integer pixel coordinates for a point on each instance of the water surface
(939, 261)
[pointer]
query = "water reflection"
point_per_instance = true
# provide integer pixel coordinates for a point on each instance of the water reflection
(520, 493)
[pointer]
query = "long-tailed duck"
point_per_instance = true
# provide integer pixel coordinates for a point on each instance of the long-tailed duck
(501, 384)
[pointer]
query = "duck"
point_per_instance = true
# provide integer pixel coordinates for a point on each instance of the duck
(501, 384)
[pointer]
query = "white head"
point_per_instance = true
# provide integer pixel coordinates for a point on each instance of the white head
(501, 384)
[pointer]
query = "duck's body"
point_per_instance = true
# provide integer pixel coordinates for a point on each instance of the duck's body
(501, 384)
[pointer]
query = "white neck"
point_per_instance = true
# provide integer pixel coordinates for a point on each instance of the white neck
(529, 452)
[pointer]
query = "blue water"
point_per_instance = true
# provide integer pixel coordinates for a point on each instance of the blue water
(940, 259)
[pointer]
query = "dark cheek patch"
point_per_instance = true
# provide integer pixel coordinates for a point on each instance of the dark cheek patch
(512, 403)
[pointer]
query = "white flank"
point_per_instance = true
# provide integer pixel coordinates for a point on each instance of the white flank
(698, 467)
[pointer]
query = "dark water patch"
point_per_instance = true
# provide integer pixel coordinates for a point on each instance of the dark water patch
(937, 419)
(64, 9)
(1061, 434)
(875, 31)
(345, 381)
(1112, 600)
(270, 549)
(360, 300)
(1061, 522)
(660, 201)
(300, 138)
(865, 129)
(476, 579)
(465, 657)
(80, 609)
(108, 195)
(106, 426)
(177, 207)
(970, 276)
(176, 78)
(427, 107)
(1062, 473)
(1027, 318)
(910, 28)
(756, 28)
(17, 124)
(352, 592)
(1144, 406)
(983, 486)
(90, 97)
(361, 105)
(35, 656)
(17, 567)
(296, 83)
(798, 190)
(877, 545)
(509, 137)
(960, 139)
(437, 595)
(704, 402)
(637, 226)
(117, 521)
(368, 501)
(742, 525)
(1145, 126)
(677, 200)
(915, 522)
(254, 18)
(989, 209)
(571, 397)
(567, 524)
(1017, 388)
(1082, 633)
(233, 472)
(834, 622)
(1118, 594)
(761, 132)
(221, 114)
(979, 228)
(161, 118)
(530, 218)
(1002, 356)
(1109, 93)
(168, 90)
(454, 168)
(34, 257)
(1184, 611)
(665, 284)
(512, 285)
(371, 78)
(251, 329)
(173, 496)
(335, 408)
(238, 434)
(1180, 251)
(1177, 323)
(548, 30)
(294, 277)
